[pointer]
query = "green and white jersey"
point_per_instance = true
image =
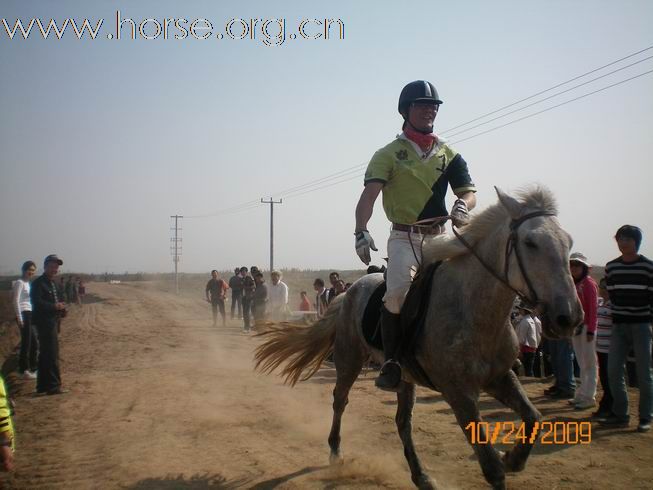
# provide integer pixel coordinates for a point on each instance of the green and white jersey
(416, 184)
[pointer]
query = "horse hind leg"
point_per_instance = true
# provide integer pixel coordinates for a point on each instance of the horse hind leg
(509, 391)
(404, 420)
(349, 362)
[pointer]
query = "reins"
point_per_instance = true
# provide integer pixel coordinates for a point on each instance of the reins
(511, 246)
(430, 225)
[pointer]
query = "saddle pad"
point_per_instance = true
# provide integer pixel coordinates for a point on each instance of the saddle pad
(413, 313)
(372, 316)
(416, 304)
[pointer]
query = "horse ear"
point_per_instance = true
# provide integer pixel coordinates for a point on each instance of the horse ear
(510, 203)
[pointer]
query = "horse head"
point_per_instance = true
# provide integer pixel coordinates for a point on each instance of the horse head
(536, 261)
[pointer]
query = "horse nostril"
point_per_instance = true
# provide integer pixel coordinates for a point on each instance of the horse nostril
(563, 320)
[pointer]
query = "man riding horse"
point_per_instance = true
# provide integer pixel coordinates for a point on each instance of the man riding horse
(414, 172)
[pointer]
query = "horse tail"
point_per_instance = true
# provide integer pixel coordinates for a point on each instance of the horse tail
(302, 348)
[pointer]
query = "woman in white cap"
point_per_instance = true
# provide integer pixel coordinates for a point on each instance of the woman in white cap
(584, 340)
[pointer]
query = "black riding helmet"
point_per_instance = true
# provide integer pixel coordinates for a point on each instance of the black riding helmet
(419, 90)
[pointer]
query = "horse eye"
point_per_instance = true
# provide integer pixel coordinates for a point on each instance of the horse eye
(530, 244)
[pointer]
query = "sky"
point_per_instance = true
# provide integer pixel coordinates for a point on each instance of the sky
(102, 140)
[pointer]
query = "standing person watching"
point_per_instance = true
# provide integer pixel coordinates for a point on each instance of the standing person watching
(414, 172)
(277, 297)
(216, 290)
(304, 304)
(27, 359)
(249, 287)
(334, 277)
(47, 310)
(629, 280)
(321, 297)
(603, 334)
(529, 335)
(260, 298)
(584, 340)
(236, 286)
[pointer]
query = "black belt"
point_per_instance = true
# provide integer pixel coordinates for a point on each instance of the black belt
(420, 230)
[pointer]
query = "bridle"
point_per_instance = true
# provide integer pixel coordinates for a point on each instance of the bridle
(531, 299)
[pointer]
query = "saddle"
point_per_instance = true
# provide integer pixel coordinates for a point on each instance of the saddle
(413, 319)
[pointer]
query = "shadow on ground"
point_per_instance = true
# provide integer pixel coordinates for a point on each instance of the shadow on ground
(180, 482)
(274, 482)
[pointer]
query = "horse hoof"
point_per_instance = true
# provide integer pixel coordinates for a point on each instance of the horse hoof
(336, 459)
(425, 482)
(510, 465)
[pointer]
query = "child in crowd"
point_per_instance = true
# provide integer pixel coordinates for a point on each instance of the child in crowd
(305, 304)
(529, 334)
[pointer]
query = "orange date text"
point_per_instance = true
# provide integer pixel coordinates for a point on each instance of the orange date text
(558, 433)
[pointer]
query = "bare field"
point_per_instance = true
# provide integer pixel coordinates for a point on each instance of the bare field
(161, 400)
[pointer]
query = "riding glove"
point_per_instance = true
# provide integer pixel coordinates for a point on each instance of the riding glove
(364, 243)
(459, 213)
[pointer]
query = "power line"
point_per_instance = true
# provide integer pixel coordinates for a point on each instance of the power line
(555, 106)
(547, 90)
(548, 98)
(358, 175)
(489, 130)
(246, 206)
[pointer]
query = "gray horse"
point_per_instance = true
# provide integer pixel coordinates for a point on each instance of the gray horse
(516, 246)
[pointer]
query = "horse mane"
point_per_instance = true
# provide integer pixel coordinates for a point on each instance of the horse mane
(443, 247)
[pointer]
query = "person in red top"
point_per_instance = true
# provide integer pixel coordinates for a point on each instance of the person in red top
(584, 340)
(305, 304)
(216, 291)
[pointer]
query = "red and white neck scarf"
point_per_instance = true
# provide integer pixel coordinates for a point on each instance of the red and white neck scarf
(424, 141)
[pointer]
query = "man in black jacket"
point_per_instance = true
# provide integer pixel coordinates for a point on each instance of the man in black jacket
(236, 286)
(47, 310)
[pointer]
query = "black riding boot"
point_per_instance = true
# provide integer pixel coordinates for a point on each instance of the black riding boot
(390, 376)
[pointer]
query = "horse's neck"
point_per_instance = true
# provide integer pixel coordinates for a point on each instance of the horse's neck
(483, 286)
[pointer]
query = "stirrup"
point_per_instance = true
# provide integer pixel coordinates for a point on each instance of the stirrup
(389, 378)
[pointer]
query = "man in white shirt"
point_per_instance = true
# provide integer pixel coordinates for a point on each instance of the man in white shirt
(277, 297)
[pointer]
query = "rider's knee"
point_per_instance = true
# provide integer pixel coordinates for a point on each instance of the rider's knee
(393, 301)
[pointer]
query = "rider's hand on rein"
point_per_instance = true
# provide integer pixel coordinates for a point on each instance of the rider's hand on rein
(459, 213)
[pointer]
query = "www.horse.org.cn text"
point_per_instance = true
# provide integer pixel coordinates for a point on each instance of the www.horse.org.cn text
(269, 32)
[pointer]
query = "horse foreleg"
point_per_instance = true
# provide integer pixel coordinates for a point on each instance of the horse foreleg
(509, 391)
(349, 363)
(466, 409)
(404, 418)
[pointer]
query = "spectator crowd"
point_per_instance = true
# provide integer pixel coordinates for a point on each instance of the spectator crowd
(611, 347)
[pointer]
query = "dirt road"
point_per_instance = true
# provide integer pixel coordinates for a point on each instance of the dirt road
(160, 400)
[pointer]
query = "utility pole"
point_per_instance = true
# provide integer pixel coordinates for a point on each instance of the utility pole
(175, 248)
(271, 203)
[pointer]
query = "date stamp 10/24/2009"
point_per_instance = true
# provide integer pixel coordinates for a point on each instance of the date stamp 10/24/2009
(552, 433)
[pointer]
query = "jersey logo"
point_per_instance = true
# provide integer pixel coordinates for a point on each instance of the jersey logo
(402, 155)
(443, 159)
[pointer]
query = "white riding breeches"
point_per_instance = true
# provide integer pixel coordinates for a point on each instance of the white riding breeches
(402, 266)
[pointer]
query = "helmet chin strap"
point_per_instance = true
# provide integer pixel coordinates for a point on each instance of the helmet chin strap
(428, 131)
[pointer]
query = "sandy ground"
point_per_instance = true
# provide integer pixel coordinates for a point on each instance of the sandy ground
(161, 400)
